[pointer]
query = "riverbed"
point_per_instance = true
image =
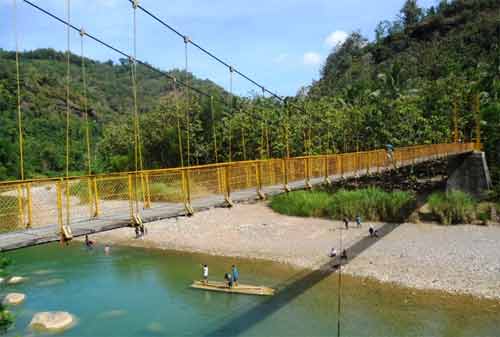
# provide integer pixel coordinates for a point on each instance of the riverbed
(456, 259)
(145, 292)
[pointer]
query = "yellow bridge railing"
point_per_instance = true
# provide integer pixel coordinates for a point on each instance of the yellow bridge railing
(39, 202)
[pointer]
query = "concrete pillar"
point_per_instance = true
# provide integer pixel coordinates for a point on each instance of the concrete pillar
(469, 173)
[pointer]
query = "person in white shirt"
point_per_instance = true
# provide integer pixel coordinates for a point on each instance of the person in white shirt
(205, 273)
(333, 252)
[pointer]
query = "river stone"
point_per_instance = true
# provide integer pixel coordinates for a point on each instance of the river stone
(14, 299)
(52, 321)
(2, 280)
(16, 280)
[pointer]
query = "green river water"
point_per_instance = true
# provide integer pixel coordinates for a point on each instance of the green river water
(139, 292)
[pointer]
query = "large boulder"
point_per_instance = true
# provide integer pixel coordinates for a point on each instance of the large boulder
(16, 280)
(14, 299)
(52, 321)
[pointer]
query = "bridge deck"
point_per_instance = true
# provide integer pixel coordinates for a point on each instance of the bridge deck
(50, 233)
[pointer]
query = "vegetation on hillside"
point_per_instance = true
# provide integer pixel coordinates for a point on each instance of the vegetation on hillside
(424, 65)
(401, 88)
(110, 103)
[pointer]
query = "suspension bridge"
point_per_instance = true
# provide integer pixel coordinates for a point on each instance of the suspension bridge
(37, 211)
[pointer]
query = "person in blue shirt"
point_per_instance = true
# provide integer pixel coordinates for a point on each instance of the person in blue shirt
(390, 149)
(236, 275)
(358, 220)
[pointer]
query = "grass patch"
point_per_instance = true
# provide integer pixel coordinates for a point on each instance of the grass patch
(454, 207)
(372, 204)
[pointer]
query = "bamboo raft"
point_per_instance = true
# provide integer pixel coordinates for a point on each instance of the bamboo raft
(240, 289)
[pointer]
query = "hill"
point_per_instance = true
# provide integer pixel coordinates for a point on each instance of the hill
(421, 68)
(43, 87)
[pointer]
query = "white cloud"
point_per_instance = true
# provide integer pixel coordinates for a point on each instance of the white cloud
(280, 58)
(312, 58)
(336, 38)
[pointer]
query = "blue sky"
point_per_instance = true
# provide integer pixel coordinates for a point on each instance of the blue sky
(280, 43)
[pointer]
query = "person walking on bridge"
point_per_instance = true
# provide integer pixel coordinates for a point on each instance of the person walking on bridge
(390, 154)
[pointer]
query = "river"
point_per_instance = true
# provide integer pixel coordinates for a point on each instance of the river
(140, 292)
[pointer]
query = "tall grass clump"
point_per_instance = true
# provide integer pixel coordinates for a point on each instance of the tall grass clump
(371, 204)
(302, 203)
(453, 207)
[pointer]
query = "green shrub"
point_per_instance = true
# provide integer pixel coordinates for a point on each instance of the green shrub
(4, 262)
(453, 207)
(6, 319)
(302, 203)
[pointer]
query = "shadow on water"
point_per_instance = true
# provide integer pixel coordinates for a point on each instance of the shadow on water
(293, 288)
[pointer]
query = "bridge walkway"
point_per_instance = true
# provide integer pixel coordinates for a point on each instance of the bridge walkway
(121, 218)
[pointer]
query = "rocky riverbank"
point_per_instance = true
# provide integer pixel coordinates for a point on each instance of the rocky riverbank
(456, 259)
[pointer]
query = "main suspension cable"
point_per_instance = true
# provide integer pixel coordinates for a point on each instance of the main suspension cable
(143, 63)
(205, 51)
(122, 53)
(213, 56)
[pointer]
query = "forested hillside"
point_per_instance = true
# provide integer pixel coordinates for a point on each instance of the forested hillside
(43, 101)
(402, 88)
(423, 65)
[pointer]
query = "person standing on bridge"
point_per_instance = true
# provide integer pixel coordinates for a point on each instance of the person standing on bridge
(390, 150)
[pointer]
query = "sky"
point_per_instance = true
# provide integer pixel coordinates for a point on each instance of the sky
(282, 44)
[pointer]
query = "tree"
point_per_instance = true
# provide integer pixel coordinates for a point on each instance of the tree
(382, 30)
(411, 13)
